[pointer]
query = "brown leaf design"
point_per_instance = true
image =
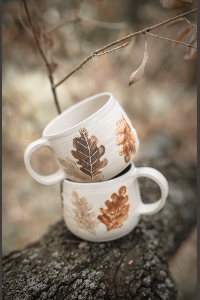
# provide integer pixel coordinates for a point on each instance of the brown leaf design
(84, 217)
(117, 210)
(126, 139)
(88, 154)
(73, 170)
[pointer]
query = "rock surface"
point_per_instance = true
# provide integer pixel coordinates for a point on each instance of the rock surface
(60, 266)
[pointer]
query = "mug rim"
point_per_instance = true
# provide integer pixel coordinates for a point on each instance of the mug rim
(99, 184)
(110, 103)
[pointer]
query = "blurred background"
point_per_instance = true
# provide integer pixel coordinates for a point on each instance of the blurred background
(162, 105)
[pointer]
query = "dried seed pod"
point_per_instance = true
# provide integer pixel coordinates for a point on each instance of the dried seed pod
(137, 75)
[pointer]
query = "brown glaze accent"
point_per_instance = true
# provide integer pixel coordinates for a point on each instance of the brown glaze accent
(117, 210)
(125, 139)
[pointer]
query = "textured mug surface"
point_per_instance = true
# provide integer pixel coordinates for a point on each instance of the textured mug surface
(108, 210)
(91, 141)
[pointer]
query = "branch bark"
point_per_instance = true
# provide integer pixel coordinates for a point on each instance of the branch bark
(61, 266)
(101, 50)
(171, 40)
(48, 66)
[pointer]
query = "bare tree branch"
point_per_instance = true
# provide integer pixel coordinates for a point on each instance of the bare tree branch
(54, 28)
(192, 25)
(48, 66)
(124, 45)
(19, 14)
(171, 40)
(101, 50)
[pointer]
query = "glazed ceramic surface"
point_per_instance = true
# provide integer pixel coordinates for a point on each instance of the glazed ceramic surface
(108, 210)
(91, 141)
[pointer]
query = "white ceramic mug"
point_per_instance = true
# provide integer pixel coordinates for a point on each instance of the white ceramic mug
(91, 141)
(108, 210)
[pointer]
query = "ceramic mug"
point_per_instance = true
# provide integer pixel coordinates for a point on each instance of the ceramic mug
(108, 210)
(93, 140)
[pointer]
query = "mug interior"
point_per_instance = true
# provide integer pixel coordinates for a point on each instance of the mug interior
(76, 114)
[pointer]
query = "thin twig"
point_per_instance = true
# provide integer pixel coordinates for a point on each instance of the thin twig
(50, 30)
(192, 25)
(87, 21)
(39, 13)
(51, 79)
(81, 8)
(79, 66)
(41, 40)
(105, 52)
(19, 14)
(171, 40)
(107, 25)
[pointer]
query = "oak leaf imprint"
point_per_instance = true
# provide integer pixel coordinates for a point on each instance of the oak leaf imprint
(126, 139)
(117, 210)
(83, 214)
(88, 155)
(73, 170)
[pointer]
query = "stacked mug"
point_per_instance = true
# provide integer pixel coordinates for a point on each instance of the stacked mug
(94, 144)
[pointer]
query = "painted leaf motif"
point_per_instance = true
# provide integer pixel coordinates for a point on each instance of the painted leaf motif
(125, 139)
(83, 214)
(73, 170)
(88, 154)
(117, 210)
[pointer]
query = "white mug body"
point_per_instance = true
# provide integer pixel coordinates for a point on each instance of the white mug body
(91, 141)
(108, 210)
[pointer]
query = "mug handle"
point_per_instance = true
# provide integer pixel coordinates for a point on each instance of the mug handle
(152, 208)
(48, 179)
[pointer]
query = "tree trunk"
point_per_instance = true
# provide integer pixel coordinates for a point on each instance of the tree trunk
(61, 266)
